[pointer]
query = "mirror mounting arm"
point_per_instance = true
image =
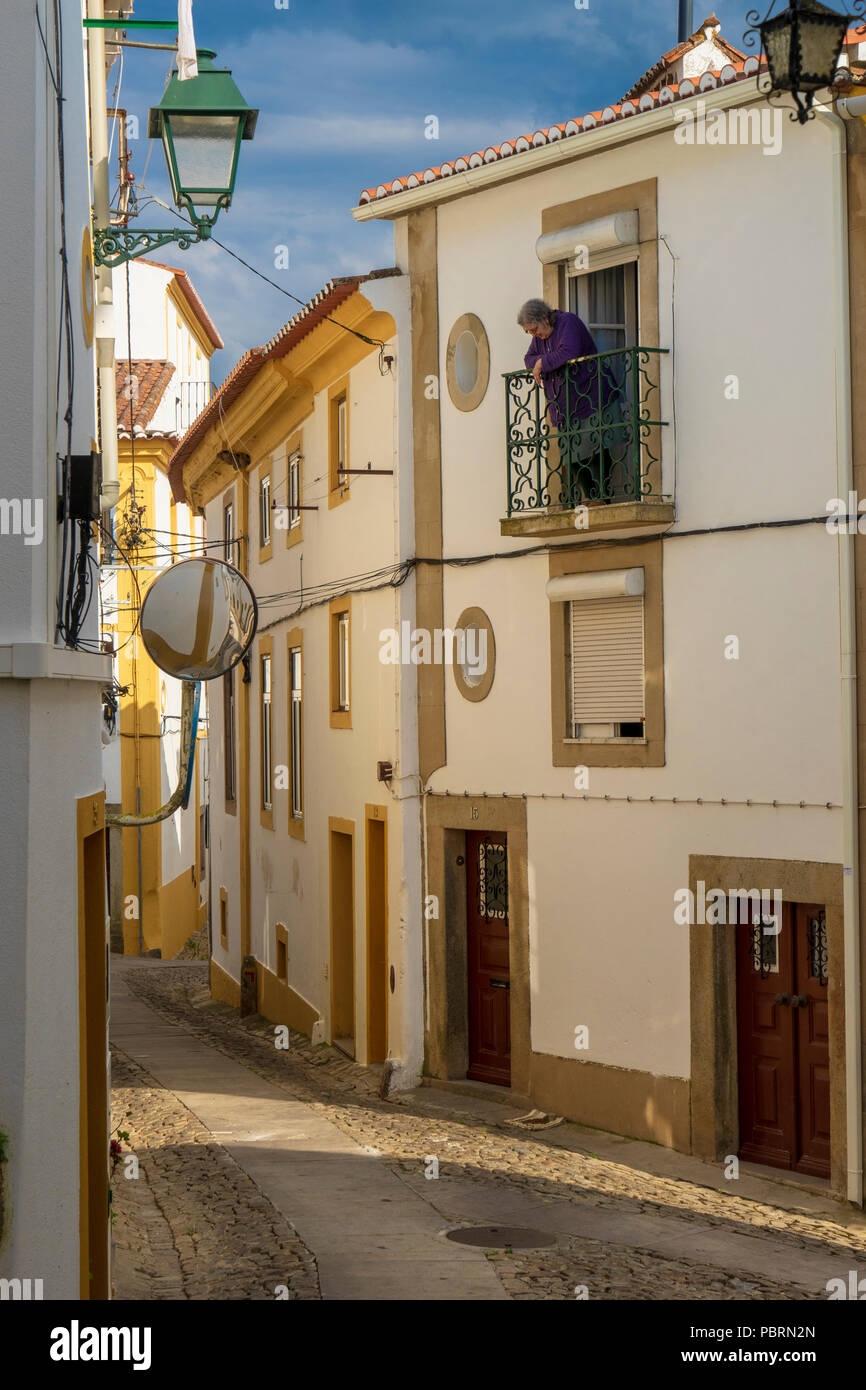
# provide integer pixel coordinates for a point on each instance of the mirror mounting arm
(188, 722)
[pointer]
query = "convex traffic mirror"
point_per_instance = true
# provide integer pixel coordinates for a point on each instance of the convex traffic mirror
(198, 619)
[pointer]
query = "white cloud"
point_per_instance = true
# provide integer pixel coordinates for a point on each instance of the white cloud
(386, 134)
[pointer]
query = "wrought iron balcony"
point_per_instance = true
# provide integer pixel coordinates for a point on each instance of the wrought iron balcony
(590, 435)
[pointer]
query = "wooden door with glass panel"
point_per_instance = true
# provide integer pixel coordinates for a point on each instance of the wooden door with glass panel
(783, 1039)
(488, 957)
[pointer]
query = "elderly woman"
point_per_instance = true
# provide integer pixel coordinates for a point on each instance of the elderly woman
(559, 337)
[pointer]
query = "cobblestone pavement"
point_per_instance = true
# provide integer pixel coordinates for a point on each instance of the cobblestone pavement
(545, 1165)
(193, 1224)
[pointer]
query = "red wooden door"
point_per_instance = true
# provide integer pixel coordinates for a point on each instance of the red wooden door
(488, 958)
(783, 1044)
(813, 1040)
(765, 1024)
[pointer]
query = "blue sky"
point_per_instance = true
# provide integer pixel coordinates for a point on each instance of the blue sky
(343, 89)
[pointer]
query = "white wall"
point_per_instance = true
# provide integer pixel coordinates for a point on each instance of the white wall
(289, 877)
(754, 269)
(49, 728)
(160, 332)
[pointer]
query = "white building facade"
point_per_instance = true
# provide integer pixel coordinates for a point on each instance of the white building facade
(159, 875)
(315, 824)
(53, 1080)
(662, 714)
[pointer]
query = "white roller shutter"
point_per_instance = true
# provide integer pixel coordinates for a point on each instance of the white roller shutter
(607, 660)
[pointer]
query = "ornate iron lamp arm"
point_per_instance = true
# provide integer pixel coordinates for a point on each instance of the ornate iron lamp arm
(112, 246)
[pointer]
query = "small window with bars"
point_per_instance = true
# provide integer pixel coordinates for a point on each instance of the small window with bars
(606, 669)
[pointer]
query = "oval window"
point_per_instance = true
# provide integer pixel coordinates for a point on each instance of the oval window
(466, 361)
(475, 658)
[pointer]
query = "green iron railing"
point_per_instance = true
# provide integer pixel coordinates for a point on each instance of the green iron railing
(591, 433)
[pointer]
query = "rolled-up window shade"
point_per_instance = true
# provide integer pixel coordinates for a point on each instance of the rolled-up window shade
(599, 584)
(607, 660)
(604, 234)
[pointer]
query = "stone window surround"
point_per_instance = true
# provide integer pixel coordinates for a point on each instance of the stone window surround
(649, 751)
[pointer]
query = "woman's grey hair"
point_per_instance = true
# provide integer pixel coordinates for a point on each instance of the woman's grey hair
(535, 311)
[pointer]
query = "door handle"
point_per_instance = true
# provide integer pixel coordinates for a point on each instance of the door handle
(782, 999)
(799, 1001)
(500, 984)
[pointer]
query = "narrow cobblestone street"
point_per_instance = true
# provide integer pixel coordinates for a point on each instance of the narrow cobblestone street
(266, 1173)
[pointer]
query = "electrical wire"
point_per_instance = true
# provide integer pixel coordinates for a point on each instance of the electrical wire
(128, 563)
(371, 342)
(73, 570)
(115, 101)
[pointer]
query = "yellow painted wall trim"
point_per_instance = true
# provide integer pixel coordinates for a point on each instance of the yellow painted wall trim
(339, 486)
(282, 1004)
(295, 534)
(223, 987)
(266, 815)
(190, 321)
(93, 1128)
(338, 718)
(280, 396)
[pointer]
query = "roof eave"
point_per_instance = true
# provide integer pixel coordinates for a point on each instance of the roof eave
(741, 92)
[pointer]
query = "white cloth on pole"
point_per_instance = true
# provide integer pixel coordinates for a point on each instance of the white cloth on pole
(187, 62)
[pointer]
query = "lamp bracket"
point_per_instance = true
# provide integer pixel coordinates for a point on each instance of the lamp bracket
(112, 246)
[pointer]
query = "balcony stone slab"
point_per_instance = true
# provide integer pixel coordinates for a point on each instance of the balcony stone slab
(646, 515)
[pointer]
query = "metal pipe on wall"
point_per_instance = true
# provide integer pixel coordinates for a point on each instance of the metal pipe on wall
(104, 306)
(848, 663)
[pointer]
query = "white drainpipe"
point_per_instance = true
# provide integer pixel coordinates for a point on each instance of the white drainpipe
(848, 658)
(104, 314)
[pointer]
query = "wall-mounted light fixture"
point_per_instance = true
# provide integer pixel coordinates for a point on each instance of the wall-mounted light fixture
(802, 45)
(201, 122)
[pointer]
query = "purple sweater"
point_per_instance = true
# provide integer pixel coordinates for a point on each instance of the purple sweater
(570, 338)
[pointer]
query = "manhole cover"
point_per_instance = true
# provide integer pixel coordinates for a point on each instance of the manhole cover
(502, 1237)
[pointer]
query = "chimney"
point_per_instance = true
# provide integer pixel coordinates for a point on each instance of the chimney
(684, 28)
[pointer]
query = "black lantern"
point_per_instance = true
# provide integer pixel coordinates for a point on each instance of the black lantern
(802, 45)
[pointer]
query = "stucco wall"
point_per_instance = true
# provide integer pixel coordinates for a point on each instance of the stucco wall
(604, 947)
(49, 729)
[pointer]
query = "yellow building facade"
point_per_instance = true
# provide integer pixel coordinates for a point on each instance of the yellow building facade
(158, 886)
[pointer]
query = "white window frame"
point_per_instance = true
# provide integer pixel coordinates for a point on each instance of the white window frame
(296, 702)
(267, 756)
(228, 532)
(294, 489)
(342, 461)
(265, 511)
(606, 261)
(343, 663)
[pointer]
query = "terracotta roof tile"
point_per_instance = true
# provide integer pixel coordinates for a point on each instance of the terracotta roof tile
(736, 71)
(140, 386)
(640, 98)
(645, 83)
(321, 306)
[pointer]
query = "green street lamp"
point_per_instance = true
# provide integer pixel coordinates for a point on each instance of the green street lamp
(201, 123)
(802, 45)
